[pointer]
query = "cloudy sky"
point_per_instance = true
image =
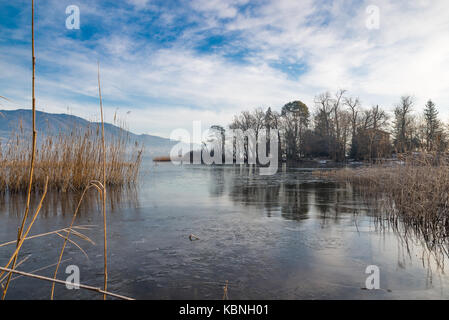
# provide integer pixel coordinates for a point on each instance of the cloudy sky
(167, 63)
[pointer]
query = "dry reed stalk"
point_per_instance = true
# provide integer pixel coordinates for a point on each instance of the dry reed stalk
(40, 269)
(82, 286)
(225, 291)
(82, 236)
(33, 151)
(70, 228)
(17, 265)
(49, 233)
(22, 239)
(74, 243)
(104, 188)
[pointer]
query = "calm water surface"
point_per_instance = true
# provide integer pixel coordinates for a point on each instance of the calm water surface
(288, 236)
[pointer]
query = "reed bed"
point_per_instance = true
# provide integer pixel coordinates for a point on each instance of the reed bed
(413, 194)
(79, 160)
(70, 160)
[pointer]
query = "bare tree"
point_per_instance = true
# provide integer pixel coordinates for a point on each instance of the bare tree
(379, 117)
(354, 109)
(403, 124)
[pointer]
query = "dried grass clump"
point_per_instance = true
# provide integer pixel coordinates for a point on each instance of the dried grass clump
(415, 193)
(70, 160)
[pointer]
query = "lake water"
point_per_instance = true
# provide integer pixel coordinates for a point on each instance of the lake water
(287, 236)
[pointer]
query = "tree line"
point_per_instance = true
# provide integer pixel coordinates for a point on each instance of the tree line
(339, 128)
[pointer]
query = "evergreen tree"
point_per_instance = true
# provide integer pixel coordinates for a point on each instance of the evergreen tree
(432, 126)
(296, 118)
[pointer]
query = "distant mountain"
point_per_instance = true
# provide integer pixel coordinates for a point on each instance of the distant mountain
(52, 124)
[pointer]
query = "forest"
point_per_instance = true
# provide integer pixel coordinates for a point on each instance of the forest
(338, 127)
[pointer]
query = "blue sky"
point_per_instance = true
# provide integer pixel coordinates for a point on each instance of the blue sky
(167, 63)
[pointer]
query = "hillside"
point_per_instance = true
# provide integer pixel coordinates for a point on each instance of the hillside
(51, 124)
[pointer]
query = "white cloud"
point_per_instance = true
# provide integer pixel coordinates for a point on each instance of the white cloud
(139, 4)
(218, 8)
(168, 88)
(408, 54)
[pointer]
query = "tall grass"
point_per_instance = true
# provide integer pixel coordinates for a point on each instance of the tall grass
(70, 160)
(103, 194)
(414, 194)
(20, 237)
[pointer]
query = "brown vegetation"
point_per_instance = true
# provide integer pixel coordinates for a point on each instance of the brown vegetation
(414, 193)
(70, 160)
